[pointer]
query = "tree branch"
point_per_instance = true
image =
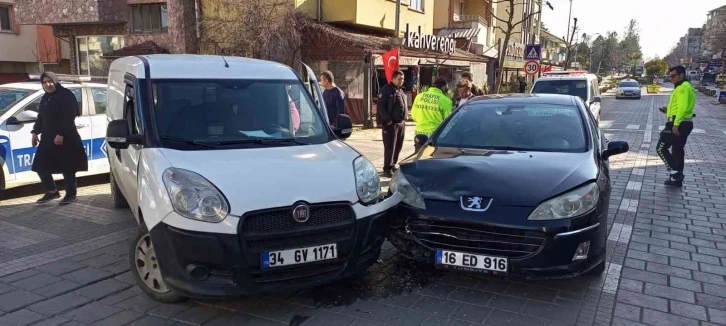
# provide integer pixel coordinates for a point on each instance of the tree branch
(526, 18)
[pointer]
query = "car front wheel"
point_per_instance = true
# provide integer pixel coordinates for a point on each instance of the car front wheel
(119, 201)
(146, 271)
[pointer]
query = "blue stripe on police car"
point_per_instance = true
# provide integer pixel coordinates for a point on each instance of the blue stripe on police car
(22, 158)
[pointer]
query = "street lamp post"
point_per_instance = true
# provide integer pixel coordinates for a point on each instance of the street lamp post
(589, 64)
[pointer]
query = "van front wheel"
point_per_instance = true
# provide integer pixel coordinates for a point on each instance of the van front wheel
(119, 201)
(146, 271)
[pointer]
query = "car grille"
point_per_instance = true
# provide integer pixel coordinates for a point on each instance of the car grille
(275, 229)
(474, 238)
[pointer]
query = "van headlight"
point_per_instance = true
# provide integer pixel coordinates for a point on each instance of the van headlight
(194, 197)
(572, 204)
(367, 183)
(400, 185)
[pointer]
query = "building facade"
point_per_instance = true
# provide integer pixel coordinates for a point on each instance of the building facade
(100, 27)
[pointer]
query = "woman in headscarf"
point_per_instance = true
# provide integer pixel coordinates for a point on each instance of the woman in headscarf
(60, 148)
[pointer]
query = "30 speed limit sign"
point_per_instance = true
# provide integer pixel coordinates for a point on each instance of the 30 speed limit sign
(531, 67)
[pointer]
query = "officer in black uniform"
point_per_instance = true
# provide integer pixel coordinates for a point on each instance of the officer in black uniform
(391, 117)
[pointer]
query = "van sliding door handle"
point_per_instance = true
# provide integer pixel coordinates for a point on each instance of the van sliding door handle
(80, 125)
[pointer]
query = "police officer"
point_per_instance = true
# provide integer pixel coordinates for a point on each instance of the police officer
(429, 110)
(392, 112)
(679, 125)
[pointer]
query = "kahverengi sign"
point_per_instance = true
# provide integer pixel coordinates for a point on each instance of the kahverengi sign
(418, 40)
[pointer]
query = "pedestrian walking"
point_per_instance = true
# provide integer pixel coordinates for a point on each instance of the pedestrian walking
(464, 92)
(391, 116)
(430, 108)
(333, 96)
(679, 114)
(522, 85)
(60, 148)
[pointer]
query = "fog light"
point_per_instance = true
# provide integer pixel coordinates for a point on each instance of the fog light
(198, 272)
(582, 251)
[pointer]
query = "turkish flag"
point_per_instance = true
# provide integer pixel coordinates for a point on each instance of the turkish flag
(390, 63)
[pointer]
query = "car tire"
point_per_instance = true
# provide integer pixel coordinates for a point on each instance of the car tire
(141, 255)
(119, 201)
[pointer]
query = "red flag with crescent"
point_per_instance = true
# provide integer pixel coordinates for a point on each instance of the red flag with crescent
(390, 63)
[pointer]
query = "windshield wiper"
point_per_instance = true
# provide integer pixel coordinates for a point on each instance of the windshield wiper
(188, 142)
(261, 141)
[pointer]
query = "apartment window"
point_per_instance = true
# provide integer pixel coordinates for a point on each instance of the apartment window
(90, 50)
(416, 5)
(5, 24)
(149, 18)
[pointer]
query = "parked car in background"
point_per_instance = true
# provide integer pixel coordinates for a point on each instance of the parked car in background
(530, 196)
(19, 104)
(573, 82)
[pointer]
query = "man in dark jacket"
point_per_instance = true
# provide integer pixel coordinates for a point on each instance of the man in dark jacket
(392, 112)
(476, 91)
(60, 148)
(333, 97)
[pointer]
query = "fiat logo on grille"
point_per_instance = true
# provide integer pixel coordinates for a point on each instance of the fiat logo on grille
(301, 213)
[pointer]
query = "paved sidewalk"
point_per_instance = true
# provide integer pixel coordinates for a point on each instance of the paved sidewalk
(666, 258)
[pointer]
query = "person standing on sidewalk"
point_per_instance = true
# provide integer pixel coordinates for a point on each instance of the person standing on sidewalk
(464, 92)
(60, 148)
(391, 116)
(474, 89)
(430, 108)
(333, 96)
(679, 125)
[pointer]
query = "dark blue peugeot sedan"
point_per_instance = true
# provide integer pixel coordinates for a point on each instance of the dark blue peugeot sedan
(514, 184)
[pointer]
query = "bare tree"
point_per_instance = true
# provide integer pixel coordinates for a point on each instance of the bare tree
(45, 53)
(509, 25)
(714, 36)
(568, 44)
(262, 29)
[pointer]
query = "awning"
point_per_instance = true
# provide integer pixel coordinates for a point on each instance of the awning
(148, 47)
(465, 33)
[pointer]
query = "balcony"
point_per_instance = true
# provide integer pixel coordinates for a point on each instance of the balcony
(471, 19)
(50, 12)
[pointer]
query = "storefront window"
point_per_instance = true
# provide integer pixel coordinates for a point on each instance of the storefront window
(90, 50)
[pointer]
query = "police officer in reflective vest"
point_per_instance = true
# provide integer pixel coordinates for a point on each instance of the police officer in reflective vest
(679, 125)
(429, 110)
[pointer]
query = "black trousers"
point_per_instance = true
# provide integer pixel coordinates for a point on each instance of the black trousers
(392, 143)
(671, 148)
(69, 179)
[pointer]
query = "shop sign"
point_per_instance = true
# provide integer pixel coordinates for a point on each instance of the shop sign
(402, 61)
(420, 41)
(515, 52)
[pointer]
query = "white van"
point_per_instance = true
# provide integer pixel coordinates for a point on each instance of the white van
(234, 192)
(572, 82)
(19, 103)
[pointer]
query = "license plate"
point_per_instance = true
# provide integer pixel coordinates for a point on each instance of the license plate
(299, 256)
(472, 262)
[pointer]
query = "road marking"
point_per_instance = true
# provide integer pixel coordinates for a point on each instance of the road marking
(645, 145)
(612, 278)
(698, 131)
(630, 205)
(620, 233)
(634, 185)
(633, 127)
(647, 137)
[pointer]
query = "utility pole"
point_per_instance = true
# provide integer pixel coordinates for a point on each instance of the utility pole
(569, 20)
(397, 32)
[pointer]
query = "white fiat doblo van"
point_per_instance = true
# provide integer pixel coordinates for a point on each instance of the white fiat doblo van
(238, 182)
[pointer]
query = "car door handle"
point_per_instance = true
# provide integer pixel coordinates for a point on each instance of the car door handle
(79, 126)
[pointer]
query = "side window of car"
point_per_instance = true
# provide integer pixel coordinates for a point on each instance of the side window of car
(77, 92)
(130, 111)
(593, 92)
(34, 105)
(98, 95)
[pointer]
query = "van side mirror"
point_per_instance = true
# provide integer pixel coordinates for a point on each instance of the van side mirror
(596, 99)
(118, 135)
(23, 118)
(344, 128)
(615, 147)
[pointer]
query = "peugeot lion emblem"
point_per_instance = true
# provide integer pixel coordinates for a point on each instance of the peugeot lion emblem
(301, 213)
(475, 203)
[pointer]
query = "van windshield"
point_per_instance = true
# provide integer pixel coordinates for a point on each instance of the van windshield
(222, 114)
(562, 86)
(8, 97)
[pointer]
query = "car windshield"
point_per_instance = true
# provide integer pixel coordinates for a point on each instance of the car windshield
(8, 97)
(628, 84)
(567, 87)
(228, 113)
(507, 126)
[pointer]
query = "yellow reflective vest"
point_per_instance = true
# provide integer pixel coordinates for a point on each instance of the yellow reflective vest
(429, 109)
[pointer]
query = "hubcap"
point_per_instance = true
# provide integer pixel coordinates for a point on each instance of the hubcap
(147, 266)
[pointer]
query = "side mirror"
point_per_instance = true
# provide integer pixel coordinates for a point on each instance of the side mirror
(118, 136)
(615, 148)
(420, 140)
(596, 99)
(345, 127)
(23, 118)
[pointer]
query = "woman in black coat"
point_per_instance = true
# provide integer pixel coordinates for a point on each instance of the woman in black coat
(60, 148)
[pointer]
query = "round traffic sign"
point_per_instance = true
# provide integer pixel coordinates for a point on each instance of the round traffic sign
(531, 67)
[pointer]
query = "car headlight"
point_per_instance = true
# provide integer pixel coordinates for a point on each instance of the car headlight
(572, 204)
(410, 195)
(367, 182)
(194, 197)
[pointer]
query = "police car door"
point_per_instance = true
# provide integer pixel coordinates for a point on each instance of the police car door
(97, 116)
(311, 83)
(83, 122)
(18, 128)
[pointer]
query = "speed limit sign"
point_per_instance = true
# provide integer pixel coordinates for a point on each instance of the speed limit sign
(531, 67)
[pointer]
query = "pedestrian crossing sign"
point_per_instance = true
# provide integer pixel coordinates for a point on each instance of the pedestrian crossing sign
(533, 52)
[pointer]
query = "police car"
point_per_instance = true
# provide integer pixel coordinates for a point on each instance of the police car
(19, 104)
(572, 82)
